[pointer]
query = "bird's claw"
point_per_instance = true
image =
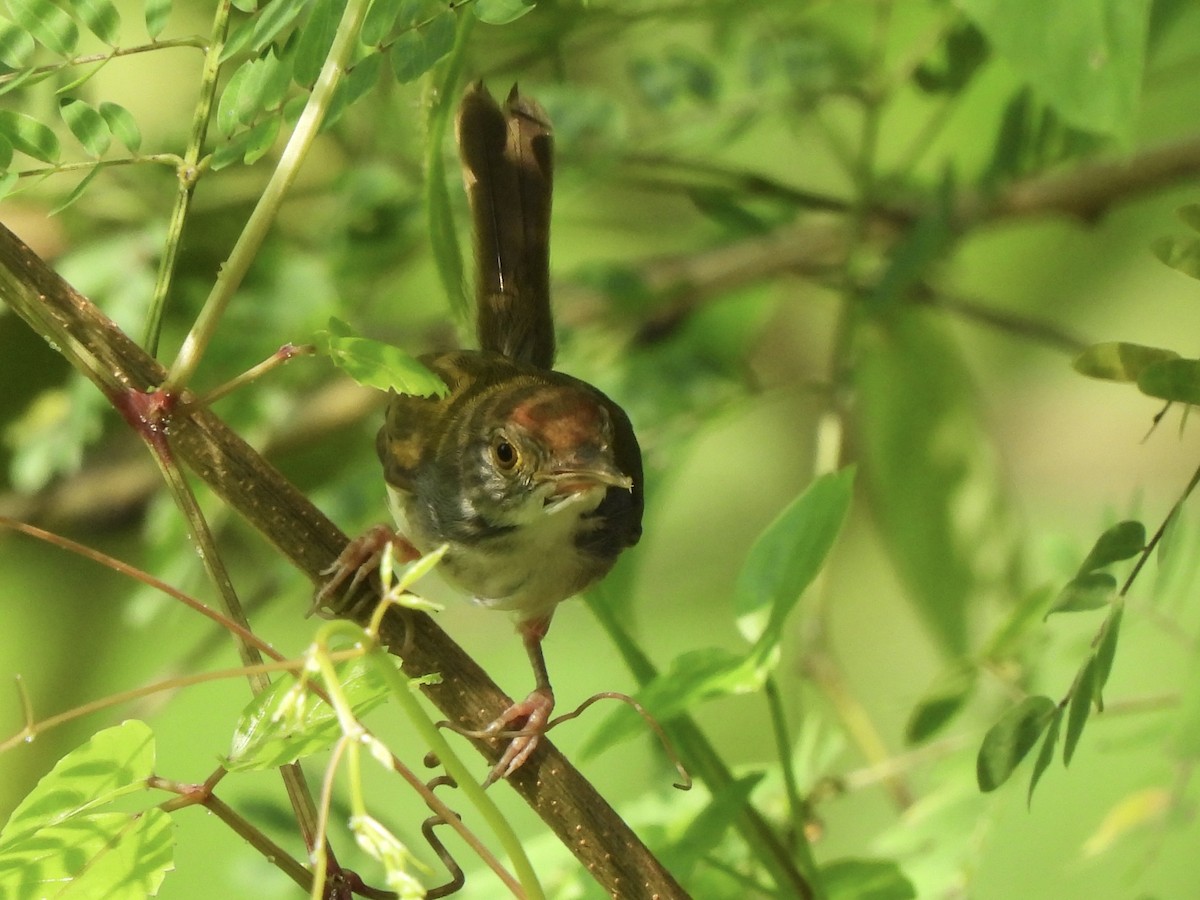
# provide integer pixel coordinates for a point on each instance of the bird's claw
(532, 715)
(357, 562)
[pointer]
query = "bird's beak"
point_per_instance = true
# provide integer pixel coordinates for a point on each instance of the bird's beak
(576, 478)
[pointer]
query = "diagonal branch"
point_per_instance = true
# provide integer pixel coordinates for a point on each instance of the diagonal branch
(569, 805)
(815, 246)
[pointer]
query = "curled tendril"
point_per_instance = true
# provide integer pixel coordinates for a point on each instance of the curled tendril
(457, 878)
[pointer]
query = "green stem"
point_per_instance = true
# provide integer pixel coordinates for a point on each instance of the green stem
(293, 777)
(783, 749)
(210, 558)
(454, 766)
(188, 173)
(821, 661)
(446, 252)
(167, 159)
(259, 223)
(116, 52)
(794, 877)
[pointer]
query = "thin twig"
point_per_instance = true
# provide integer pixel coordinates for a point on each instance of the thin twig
(115, 53)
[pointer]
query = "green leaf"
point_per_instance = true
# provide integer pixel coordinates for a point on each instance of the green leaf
(1008, 639)
(787, 556)
(379, 21)
(232, 111)
(501, 12)
(1083, 592)
(289, 721)
(964, 51)
(865, 879)
(923, 467)
(447, 254)
(1180, 253)
(1007, 742)
(357, 82)
(156, 12)
(942, 701)
(122, 125)
(29, 136)
(101, 18)
(417, 49)
(47, 23)
(272, 19)
(1082, 693)
(116, 856)
(233, 150)
(49, 437)
(1122, 541)
(253, 95)
(1190, 215)
(76, 192)
(316, 38)
(8, 180)
(729, 210)
(1106, 648)
(86, 124)
(675, 75)
(19, 78)
(1083, 57)
(1172, 379)
(265, 86)
(238, 39)
(693, 678)
(378, 365)
(1119, 361)
(16, 46)
(115, 762)
(1018, 139)
(916, 252)
(260, 139)
(1046, 754)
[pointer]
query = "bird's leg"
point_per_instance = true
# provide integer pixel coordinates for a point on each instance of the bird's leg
(529, 715)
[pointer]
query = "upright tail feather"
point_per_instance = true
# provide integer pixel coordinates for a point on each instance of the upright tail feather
(507, 158)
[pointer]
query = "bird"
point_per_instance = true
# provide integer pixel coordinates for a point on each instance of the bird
(531, 478)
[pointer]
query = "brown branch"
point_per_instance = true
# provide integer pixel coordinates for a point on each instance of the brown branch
(1089, 191)
(816, 246)
(569, 805)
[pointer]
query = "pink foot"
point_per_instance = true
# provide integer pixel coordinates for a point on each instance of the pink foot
(530, 718)
(357, 562)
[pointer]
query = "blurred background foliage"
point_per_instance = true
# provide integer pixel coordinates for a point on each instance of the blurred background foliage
(788, 236)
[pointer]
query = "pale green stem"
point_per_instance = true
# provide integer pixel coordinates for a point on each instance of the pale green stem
(188, 173)
(318, 856)
(244, 251)
(449, 760)
(116, 52)
(447, 255)
(793, 869)
(783, 749)
(167, 159)
(354, 733)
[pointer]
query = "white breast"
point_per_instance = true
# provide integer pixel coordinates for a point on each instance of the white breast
(514, 571)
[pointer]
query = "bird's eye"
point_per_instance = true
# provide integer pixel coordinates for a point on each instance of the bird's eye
(504, 454)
